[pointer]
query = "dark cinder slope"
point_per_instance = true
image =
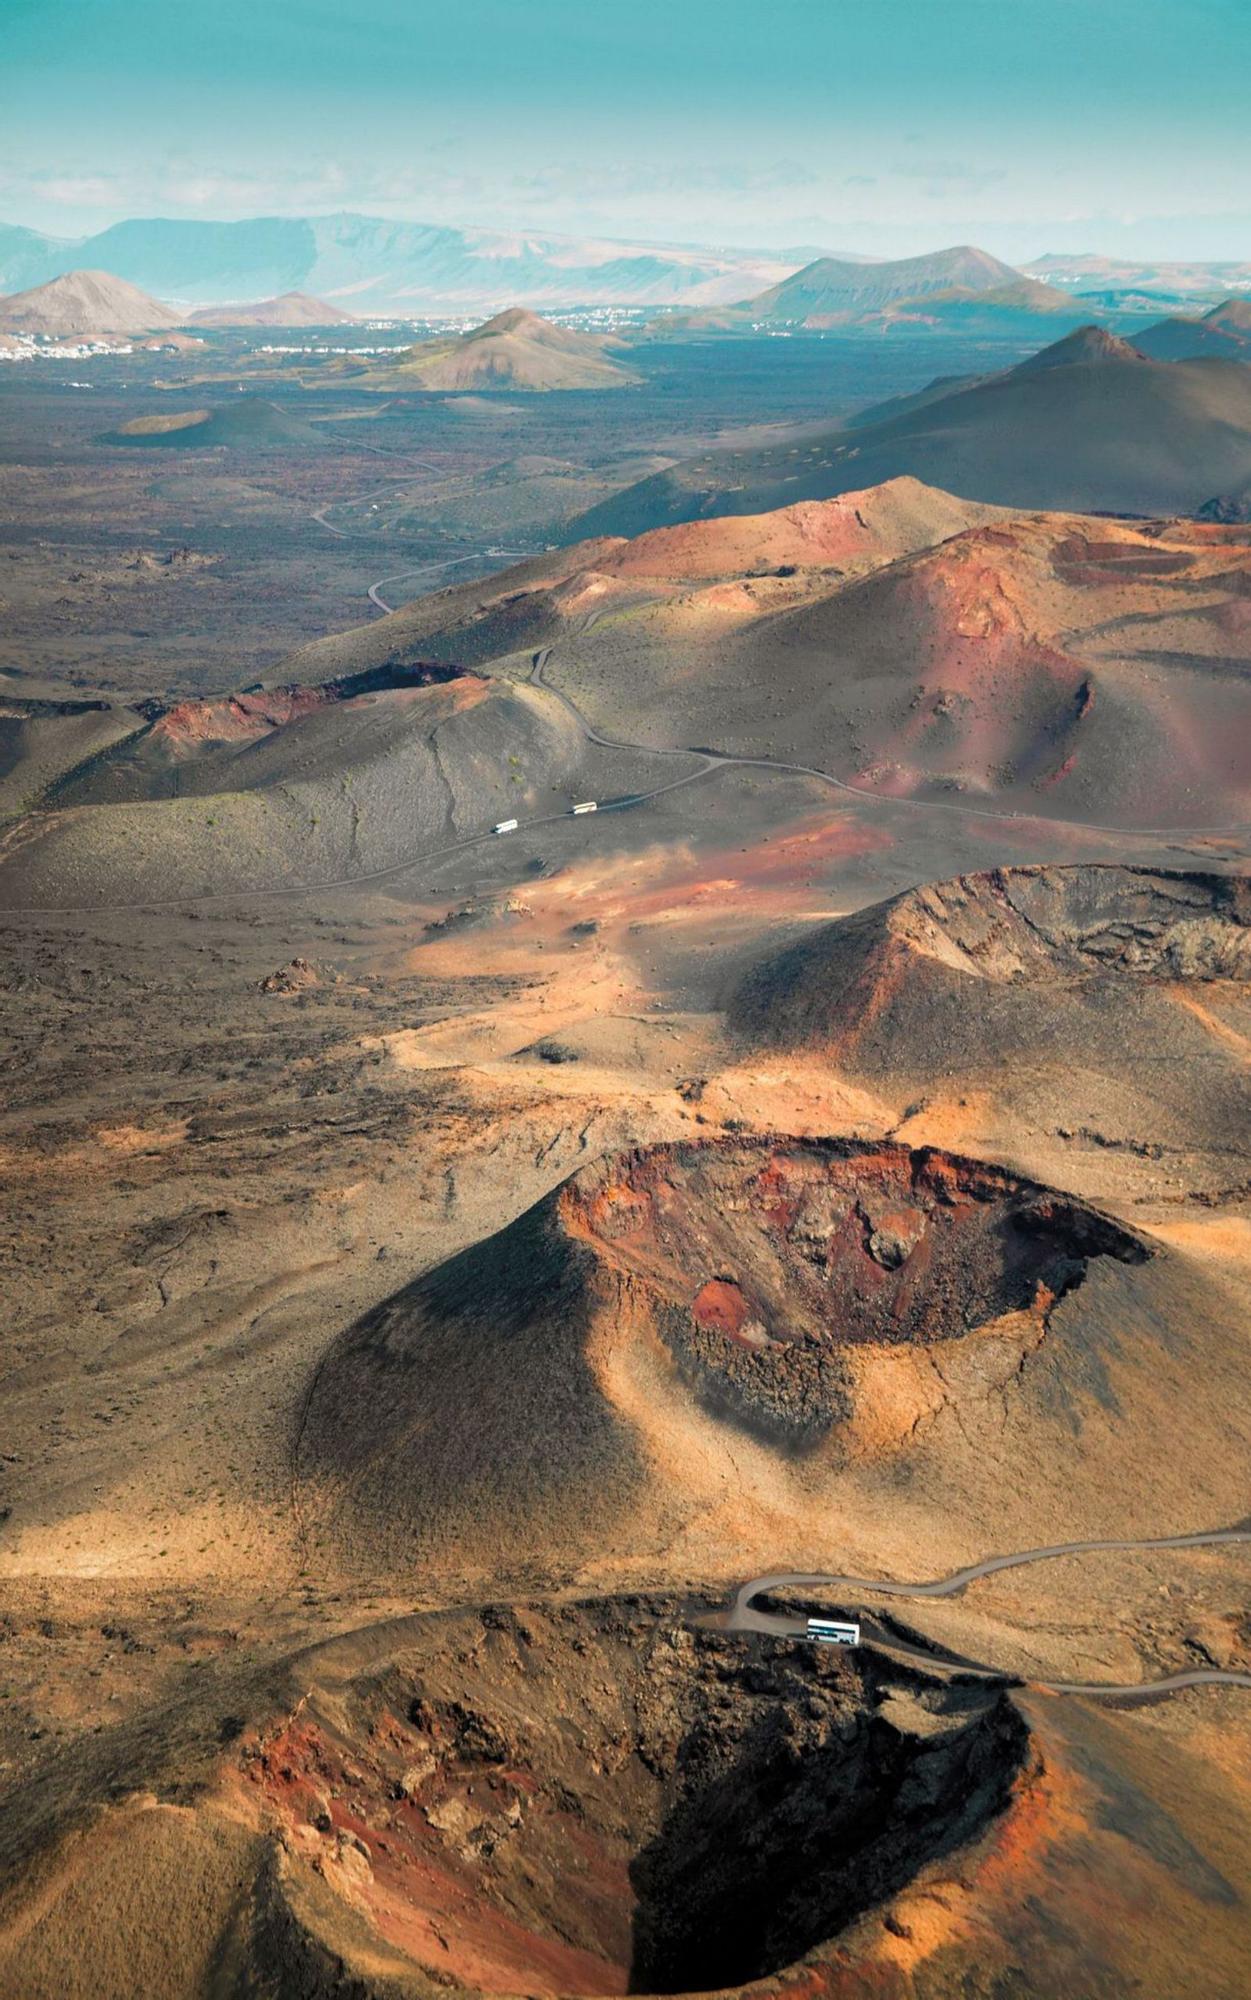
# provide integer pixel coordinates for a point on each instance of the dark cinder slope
(1091, 670)
(41, 740)
(1089, 425)
(297, 784)
(905, 642)
(606, 1795)
(1107, 1001)
(973, 954)
(762, 1312)
(1224, 333)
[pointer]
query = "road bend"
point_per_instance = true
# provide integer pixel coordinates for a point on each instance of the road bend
(743, 1614)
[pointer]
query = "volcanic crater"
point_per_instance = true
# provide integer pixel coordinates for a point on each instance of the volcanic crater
(767, 1259)
(596, 1798)
(994, 966)
(542, 1387)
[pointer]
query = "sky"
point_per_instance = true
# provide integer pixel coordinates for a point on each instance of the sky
(878, 126)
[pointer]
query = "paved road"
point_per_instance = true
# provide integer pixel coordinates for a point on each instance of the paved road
(724, 759)
(437, 566)
(704, 763)
(743, 1616)
(352, 499)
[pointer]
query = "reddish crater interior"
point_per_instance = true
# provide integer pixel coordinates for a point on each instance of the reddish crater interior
(596, 1798)
(836, 1243)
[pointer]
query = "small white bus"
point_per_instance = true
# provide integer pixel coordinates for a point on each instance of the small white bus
(587, 806)
(505, 826)
(834, 1631)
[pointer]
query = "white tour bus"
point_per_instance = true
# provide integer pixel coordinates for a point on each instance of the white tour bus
(505, 826)
(834, 1631)
(587, 806)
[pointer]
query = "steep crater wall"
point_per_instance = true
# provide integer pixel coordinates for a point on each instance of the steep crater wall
(192, 744)
(986, 965)
(567, 1376)
(766, 1261)
(596, 1799)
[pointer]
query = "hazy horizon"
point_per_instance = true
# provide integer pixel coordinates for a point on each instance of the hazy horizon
(1066, 129)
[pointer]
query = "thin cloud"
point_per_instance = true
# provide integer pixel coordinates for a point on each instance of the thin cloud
(950, 174)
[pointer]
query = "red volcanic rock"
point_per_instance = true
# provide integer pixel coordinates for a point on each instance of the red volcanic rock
(233, 718)
(854, 531)
(297, 977)
(586, 1801)
(760, 1276)
(237, 719)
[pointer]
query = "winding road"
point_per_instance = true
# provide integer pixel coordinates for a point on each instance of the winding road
(438, 565)
(707, 762)
(741, 1614)
(710, 761)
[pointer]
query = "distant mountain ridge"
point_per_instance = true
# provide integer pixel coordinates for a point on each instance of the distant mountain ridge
(371, 266)
(963, 291)
(1162, 277)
